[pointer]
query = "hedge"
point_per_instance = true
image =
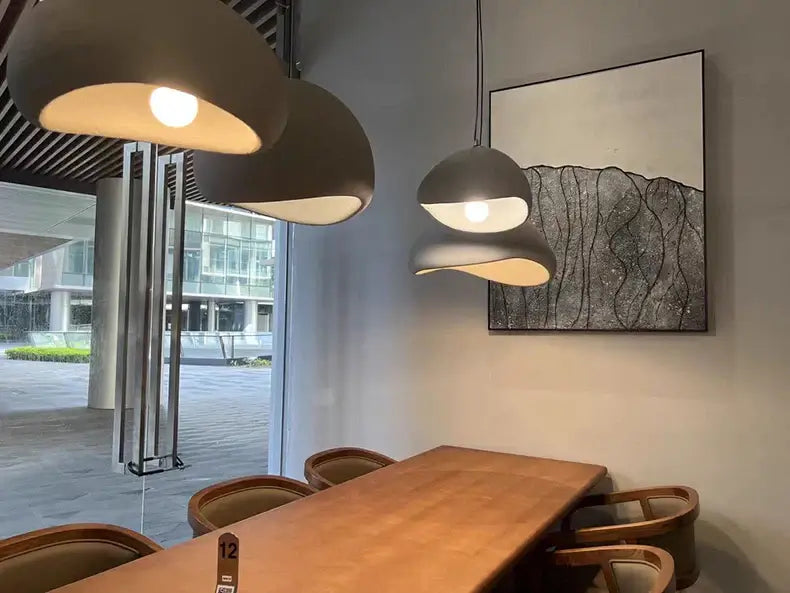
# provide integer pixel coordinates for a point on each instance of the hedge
(49, 354)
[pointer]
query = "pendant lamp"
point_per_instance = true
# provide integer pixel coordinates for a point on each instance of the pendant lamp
(484, 198)
(320, 171)
(519, 257)
(187, 73)
(479, 189)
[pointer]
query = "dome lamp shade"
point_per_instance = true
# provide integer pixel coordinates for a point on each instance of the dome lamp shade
(320, 172)
(185, 73)
(477, 190)
(519, 257)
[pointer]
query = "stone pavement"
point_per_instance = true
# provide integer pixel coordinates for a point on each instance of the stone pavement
(55, 452)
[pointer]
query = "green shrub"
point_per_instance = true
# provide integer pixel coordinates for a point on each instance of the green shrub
(49, 354)
(251, 362)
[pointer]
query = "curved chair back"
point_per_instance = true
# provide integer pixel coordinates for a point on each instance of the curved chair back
(665, 519)
(46, 559)
(609, 569)
(335, 466)
(221, 504)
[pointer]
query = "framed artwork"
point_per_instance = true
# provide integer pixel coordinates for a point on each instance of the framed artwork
(616, 163)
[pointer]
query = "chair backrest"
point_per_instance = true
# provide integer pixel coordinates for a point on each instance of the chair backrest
(666, 516)
(221, 504)
(46, 559)
(334, 466)
(610, 569)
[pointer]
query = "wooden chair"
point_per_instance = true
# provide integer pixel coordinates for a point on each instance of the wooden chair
(46, 559)
(662, 517)
(607, 569)
(334, 466)
(221, 504)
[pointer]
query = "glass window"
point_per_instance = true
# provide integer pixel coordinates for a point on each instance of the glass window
(238, 226)
(22, 269)
(234, 257)
(89, 256)
(193, 220)
(75, 258)
(264, 230)
(214, 223)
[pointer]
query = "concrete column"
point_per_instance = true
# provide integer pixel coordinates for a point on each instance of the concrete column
(193, 316)
(212, 315)
(250, 317)
(109, 232)
(60, 311)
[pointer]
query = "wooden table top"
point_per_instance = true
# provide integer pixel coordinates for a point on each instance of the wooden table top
(448, 520)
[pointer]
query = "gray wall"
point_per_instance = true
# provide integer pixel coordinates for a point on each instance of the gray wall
(381, 359)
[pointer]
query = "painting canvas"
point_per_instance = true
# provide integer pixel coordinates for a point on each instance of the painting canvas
(615, 160)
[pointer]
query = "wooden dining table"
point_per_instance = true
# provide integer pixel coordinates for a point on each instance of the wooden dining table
(448, 520)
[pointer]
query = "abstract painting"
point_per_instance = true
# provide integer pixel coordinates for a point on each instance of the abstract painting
(616, 163)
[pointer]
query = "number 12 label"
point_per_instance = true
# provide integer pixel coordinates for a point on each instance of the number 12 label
(227, 564)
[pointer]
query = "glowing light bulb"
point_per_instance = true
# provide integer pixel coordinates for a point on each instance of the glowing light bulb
(173, 108)
(476, 211)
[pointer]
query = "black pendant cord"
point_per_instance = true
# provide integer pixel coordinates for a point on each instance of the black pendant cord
(478, 134)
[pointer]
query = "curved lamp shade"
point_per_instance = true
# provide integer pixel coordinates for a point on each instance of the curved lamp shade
(91, 67)
(519, 256)
(320, 171)
(478, 190)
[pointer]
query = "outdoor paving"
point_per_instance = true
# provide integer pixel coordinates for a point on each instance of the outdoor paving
(55, 452)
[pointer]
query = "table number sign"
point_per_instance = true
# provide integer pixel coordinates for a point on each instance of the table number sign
(227, 564)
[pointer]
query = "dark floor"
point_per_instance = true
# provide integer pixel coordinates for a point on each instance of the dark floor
(55, 452)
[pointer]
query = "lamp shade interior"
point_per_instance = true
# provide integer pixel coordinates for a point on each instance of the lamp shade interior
(519, 257)
(100, 68)
(477, 190)
(130, 116)
(320, 172)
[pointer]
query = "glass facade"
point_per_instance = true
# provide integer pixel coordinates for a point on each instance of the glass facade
(78, 264)
(226, 254)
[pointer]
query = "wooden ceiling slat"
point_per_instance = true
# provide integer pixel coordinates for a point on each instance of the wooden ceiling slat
(12, 123)
(6, 145)
(65, 155)
(111, 152)
(255, 5)
(61, 169)
(24, 156)
(59, 144)
(19, 146)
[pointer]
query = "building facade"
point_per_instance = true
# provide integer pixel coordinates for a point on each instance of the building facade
(229, 260)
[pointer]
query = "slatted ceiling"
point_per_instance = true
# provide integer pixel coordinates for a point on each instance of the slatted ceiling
(25, 148)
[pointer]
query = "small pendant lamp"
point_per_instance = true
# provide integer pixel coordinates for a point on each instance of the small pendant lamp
(520, 256)
(484, 198)
(320, 172)
(479, 189)
(187, 73)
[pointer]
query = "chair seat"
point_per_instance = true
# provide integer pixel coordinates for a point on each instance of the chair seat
(335, 466)
(43, 560)
(222, 504)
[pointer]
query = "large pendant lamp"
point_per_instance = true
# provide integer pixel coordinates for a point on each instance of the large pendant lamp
(478, 189)
(484, 198)
(186, 73)
(519, 257)
(320, 171)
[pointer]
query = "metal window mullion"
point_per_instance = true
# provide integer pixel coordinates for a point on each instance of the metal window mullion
(177, 291)
(158, 242)
(119, 416)
(140, 306)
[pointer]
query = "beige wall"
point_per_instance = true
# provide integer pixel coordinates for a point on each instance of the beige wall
(381, 359)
